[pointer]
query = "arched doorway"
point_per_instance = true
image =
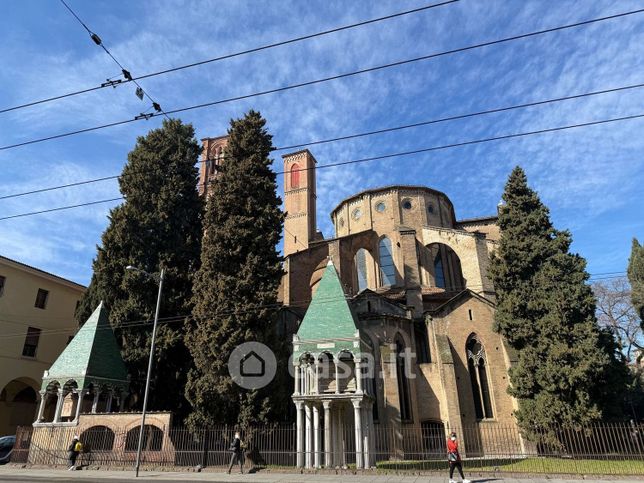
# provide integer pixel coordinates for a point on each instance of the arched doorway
(18, 404)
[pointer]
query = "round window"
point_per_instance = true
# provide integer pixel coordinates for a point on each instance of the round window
(357, 213)
(406, 204)
(380, 206)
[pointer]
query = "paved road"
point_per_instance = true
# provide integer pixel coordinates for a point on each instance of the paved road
(13, 474)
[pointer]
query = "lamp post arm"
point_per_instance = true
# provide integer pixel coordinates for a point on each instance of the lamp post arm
(147, 379)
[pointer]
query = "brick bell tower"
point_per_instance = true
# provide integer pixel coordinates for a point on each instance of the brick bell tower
(212, 156)
(299, 201)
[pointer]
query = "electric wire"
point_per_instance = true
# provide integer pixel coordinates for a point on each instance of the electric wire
(251, 309)
(368, 133)
(123, 69)
(237, 54)
(385, 156)
(323, 80)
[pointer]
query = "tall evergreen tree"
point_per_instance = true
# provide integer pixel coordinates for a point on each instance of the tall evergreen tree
(636, 277)
(546, 311)
(236, 287)
(158, 225)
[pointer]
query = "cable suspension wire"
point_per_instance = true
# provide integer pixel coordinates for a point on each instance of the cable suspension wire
(323, 80)
(128, 77)
(386, 156)
(236, 54)
(369, 133)
(275, 306)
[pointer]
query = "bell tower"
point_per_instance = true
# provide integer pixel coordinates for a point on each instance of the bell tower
(299, 201)
(212, 156)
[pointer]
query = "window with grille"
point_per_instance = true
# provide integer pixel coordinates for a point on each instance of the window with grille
(31, 342)
(41, 298)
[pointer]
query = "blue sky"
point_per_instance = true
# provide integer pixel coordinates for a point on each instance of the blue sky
(591, 178)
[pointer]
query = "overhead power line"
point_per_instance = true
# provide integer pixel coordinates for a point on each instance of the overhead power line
(128, 77)
(236, 54)
(328, 79)
(387, 156)
(370, 133)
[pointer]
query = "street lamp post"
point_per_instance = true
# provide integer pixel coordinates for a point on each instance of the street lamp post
(147, 378)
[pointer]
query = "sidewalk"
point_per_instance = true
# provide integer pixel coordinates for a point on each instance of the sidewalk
(14, 474)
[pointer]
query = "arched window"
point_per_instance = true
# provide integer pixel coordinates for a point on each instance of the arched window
(295, 176)
(361, 269)
(387, 268)
(476, 365)
(98, 438)
(152, 438)
(439, 275)
(403, 383)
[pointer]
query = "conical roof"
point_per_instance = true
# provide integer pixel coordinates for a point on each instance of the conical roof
(329, 323)
(92, 356)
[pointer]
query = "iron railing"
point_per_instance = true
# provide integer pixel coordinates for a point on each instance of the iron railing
(607, 449)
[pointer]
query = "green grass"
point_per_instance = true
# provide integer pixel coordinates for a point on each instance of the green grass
(528, 465)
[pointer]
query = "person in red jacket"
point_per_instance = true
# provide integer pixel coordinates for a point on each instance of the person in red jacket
(454, 458)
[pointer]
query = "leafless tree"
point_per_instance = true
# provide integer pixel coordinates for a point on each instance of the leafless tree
(616, 312)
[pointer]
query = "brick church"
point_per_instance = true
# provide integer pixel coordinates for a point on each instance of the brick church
(416, 281)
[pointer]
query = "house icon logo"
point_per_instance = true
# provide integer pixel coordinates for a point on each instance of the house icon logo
(252, 365)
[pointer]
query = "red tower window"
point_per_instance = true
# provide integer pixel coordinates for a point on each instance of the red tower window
(295, 176)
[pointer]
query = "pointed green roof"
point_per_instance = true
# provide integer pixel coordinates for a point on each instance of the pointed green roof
(92, 356)
(329, 323)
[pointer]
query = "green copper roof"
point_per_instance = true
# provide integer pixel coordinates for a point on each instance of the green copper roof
(329, 323)
(92, 356)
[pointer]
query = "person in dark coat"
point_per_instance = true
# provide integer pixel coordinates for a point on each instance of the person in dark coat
(236, 449)
(72, 453)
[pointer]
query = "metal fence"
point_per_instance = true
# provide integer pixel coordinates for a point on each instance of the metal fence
(608, 449)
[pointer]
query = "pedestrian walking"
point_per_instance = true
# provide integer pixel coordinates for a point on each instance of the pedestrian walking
(236, 456)
(73, 451)
(454, 459)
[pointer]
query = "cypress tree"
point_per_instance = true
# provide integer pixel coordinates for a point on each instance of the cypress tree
(546, 311)
(235, 292)
(158, 225)
(636, 277)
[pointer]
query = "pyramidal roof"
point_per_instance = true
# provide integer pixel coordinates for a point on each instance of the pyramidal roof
(329, 322)
(92, 356)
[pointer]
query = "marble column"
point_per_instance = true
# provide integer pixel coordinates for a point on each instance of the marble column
(336, 361)
(95, 401)
(59, 405)
(358, 376)
(108, 403)
(365, 436)
(79, 403)
(297, 380)
(316, 383)
(307, 437)
(317, 436)
(299, 428)
(357, 416)
(327, 434)
(41, 408)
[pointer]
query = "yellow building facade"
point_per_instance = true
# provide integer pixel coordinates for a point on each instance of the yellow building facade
(36, 323)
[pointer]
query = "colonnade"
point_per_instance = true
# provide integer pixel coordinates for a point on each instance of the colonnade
(60, 393)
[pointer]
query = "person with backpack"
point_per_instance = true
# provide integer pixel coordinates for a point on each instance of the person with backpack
(236, 448)
(73, 451)
(454, 459)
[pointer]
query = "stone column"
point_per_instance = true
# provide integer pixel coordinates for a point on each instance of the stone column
(316, 384)
(297, 380)
(365, 436)
(372, 436)
(357, 416)
(95, 401)
(122, 398)
(336, 360)
(358, 376)
(299, 428)
(307, 435)
(79, 403)
(108, 403)
(327, 434)
(59, 405)
(317, 436)
(41, 408)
